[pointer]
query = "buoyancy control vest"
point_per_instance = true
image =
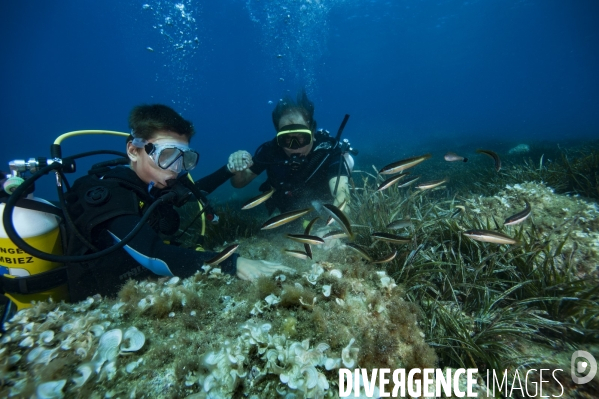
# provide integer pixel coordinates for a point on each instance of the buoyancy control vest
(290, 176)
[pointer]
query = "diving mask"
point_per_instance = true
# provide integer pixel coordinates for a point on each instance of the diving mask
(173, 156)
(294, 136)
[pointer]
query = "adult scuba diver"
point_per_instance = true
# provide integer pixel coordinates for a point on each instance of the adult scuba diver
(302, 164)
(110, 225)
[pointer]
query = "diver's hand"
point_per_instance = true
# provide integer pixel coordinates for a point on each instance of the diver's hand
(239, 161)
(249, 269)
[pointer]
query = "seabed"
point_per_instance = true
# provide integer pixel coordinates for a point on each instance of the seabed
(444, 301)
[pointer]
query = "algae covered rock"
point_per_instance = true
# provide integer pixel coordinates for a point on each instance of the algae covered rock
(212, 335)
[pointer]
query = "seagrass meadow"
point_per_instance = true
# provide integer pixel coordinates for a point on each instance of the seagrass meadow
(444, 301)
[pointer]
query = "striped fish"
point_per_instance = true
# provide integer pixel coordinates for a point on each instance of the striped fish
(519, 217)
(309, 226)
(307, 232)
(409, 181)
(335, 234)
(494, 237)
(222, 255)
(258, 199)
(493, 155)
(392, 238)
(341, 207)
(458, 209)
(305, 239)
(386, 259)
(389, 182)
(404, 164)
(431, 184)
(283, 218)
(296, 254)
(339, 217)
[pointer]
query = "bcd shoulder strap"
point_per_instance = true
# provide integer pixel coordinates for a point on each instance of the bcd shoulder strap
(92, 201)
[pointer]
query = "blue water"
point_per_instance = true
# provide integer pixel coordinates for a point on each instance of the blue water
(411, 73)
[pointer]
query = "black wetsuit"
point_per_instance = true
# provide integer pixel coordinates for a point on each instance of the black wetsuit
(107, 274)
(298, 185)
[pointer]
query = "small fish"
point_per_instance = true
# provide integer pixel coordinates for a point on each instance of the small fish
(339, 217)
(308, 250)
(309, 226)
(494, 237)
(386, 259)
(360, 251)
(453, 157)
(458, 209)
(283, 218)
(399, 224)
(492, 155)
(389, 182)
(431, 184)
(404, 164)
(222, 255)
(335, 234)
(307, 232)
(258, 199)
(392, 238)
(341, 207)
(519, 217)
(305, 239)
(409, 181)
(296, 254)
(150, 49)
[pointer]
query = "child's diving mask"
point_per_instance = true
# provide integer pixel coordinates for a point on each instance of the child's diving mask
(173, 156)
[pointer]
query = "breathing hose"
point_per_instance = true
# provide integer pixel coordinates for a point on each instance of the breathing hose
(339, 132)
(14, 236)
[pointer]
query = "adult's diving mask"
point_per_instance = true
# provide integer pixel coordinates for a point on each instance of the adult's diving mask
(294, 136)
(173, 156)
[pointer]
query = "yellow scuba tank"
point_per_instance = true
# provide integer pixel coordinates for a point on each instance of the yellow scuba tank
(40, 230)
(33, 269)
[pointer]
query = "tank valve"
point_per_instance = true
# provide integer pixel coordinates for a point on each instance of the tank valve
(11, 184)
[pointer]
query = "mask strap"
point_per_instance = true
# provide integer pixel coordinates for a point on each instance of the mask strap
(138, 142)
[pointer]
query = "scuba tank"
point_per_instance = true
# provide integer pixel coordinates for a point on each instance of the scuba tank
(26, 277)
(34, 233)
(40, 230)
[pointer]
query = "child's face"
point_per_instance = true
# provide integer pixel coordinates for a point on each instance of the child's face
(144, 165)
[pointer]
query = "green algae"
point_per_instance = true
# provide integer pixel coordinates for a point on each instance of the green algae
(457, 303)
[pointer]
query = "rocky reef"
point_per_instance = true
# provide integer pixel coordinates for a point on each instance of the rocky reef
(555, 218)
(520, 149)
(214, 336)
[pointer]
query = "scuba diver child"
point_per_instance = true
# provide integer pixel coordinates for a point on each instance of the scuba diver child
(107, 208)
(301, 164)
(158, 150)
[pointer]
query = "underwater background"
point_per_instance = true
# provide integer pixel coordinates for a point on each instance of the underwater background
(411, 74)
(515, 77)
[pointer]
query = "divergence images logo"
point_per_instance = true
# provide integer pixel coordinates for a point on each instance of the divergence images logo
(580, 366)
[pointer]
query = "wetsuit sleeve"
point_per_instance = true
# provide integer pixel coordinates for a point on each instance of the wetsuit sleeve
(261, 159)
(148, 249)
(214, 180)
